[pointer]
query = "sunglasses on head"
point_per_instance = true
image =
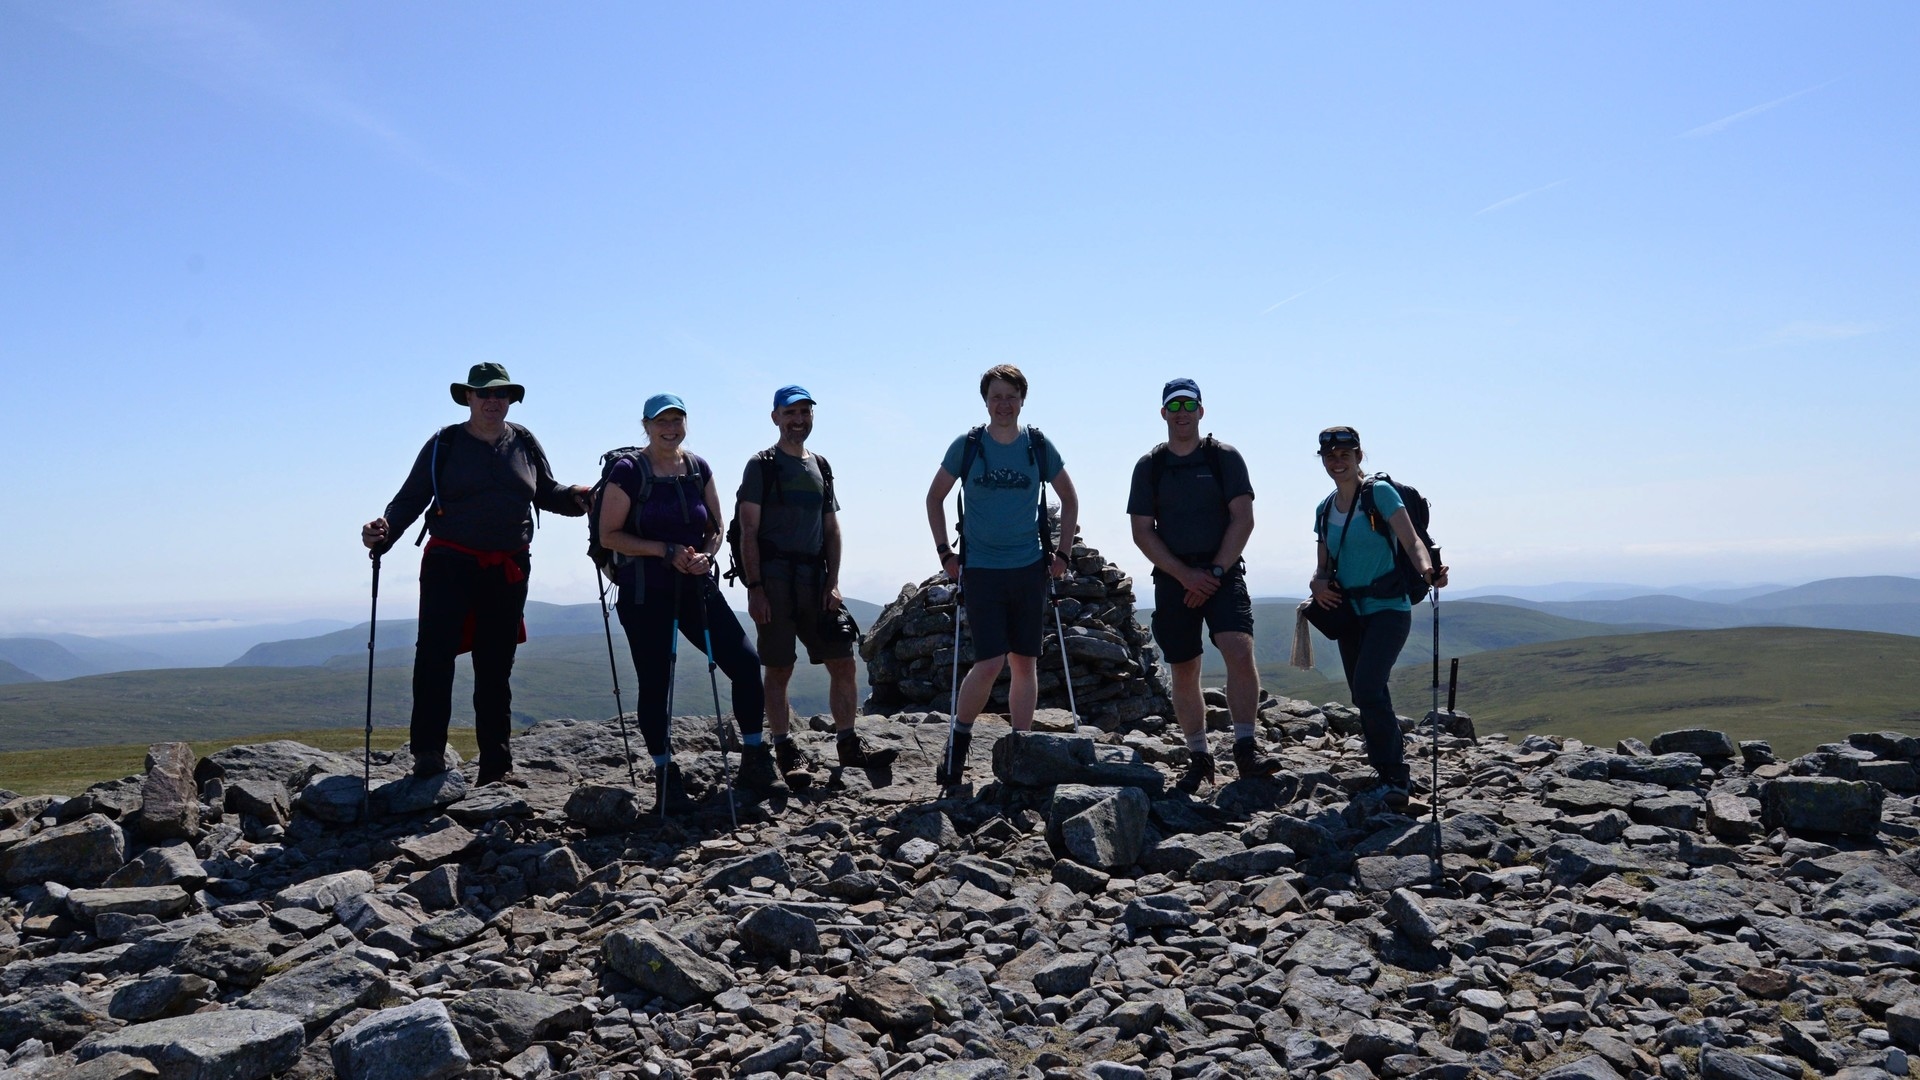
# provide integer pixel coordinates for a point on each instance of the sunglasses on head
(1179, 404)
(1339, 440)
(493, 393)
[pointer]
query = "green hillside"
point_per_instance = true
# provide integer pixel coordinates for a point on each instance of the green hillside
(1794, 687)
(9, 674)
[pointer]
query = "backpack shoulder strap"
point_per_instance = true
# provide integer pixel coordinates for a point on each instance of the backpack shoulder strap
(826, 484)
(1156, 471)
(971, 452)
(769, 476)
(436, 463)
(1210, 446)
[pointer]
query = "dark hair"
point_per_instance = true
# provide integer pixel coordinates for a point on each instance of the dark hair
(1005, 373)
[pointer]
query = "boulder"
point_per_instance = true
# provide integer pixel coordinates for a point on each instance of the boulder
(169, 798)
(411, 1042)
(233, 1044)
(77, 854)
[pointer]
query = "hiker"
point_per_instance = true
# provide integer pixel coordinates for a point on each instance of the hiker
(661, 509)
(1192, 508)
(1356, 571)
(480, 478)
(789, 555)
(1005, 556)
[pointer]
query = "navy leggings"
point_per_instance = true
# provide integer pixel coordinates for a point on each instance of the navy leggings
(649, 628)
(1367, 653)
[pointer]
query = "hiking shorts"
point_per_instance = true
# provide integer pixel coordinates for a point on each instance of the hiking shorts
(793, 602)
(1006, 609)
(1176, 627)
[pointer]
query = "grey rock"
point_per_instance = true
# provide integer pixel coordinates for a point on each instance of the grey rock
(438, 846)
(775, 931)
(162, 864)
(79, 853)
(976, 1069)
(1591, 1067)
(1066, 976)
(114, 1066)
(1176, 854)
(160, 901)
(1407, 912)
(54, 1017)
(729, 873)
(1865, 893)
(160, 996)
(496, 1024)
(411, 1042)
(229, 957)
(1700, 742)
(1903, 1024)
(283, 762)
(414, 794)
(234, 1044)
(1247, 863)
(1157, 912)
(1705, 904)
(662, 965)
(1375, 1040)
(169, 798)
(1574, 861)
(320, 991)
(1048, 760)
(776, 1057)
(604, 807)
(890, 998)
(1385, 873)
(1720, 1064)
(335, 800)
(266, 801)
(323, 893)
(1110, 834)
(1666, 770)
(1820, 804)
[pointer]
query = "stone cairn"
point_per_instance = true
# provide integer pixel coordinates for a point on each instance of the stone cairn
(1117, 680)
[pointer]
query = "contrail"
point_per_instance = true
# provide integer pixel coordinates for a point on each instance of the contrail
(1303, 292)
(1725, 122)
(1511, 199)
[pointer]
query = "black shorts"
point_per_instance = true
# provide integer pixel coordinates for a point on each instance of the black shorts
(793, 602)
(1177, 627)
(1006, 609)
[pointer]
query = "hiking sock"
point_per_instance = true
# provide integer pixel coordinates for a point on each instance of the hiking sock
(777, 739)
(1242, 731)
(660, 760)
(750, 738)
(1197, 742)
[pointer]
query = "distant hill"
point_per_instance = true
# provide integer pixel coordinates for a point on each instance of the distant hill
(1882, 590)
(10, 674)
(1794, 687)
(43, 659)
(1883, 604)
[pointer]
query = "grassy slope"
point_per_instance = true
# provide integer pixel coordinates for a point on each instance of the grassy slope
(1793, 687)
(69, 770)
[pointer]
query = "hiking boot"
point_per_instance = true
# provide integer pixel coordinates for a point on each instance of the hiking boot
(498, 776)
(669, 794)
(956, 752)
(855, 756)
(756, 768)
(1199, 771)
(1249, 761)
(792, 766)
(1392, 796)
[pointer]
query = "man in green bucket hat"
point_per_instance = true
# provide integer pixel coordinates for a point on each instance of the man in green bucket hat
(478, 483)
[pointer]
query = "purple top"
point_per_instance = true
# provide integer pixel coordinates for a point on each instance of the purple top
(675, 510)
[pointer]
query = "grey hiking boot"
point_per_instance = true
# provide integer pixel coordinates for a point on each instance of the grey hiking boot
(793, 766)
(1249, 761)
(756, 768)
(1199, 771)
(952, 770)
(669, 794)
(853, 755)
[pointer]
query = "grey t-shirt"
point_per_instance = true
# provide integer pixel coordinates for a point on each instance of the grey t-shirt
(1192, 514)
(790, 518)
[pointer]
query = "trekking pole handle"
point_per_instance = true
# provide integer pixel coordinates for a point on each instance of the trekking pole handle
(1453, 682)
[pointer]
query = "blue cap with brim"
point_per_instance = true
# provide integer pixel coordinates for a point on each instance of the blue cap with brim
(787, 395)
(1179, 388)
(660, 403)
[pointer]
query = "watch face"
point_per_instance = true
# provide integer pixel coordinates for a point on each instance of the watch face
(1219, 571)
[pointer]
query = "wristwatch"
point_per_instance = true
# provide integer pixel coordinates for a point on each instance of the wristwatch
(1217, 570)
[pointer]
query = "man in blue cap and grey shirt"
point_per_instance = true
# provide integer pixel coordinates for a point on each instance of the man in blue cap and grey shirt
(1192, 508)
(790, 564)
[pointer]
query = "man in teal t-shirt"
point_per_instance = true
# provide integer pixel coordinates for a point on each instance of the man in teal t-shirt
(1003, 576)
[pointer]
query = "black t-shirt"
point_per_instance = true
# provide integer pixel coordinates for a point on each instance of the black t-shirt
(1191, 516)
(791, 520)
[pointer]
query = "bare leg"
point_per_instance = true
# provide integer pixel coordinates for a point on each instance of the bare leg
(843, 693)
(1188, 706)
(1024, 690)
(977, 686)
(1243, 678)
(779, 717)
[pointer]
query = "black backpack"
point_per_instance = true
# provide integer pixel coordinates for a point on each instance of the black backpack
(611, 562)
(1403, 579)
(1157, 467)
(769, 487)
(1036, 456)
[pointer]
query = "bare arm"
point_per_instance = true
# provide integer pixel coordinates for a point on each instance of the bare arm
(830, 551)
(1326, 592)
(943, 482)
(1239, 529)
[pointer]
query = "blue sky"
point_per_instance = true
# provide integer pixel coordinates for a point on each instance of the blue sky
(1628, 290)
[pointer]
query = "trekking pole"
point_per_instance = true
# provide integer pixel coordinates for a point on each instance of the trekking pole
(953, 705)
(619, 710)
(719, 726)
(1434, 717)
(673, 668)
(366, 755)
(1066, 670)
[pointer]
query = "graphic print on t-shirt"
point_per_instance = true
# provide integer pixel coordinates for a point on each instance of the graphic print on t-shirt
(1004, 480)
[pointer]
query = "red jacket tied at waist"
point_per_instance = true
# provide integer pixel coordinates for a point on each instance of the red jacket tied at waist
(487, 559)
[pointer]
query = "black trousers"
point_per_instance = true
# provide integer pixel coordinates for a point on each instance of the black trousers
(451, 585)
(1368, 653)
(649, 628)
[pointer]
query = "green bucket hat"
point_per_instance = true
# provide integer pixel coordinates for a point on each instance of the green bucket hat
(481, 376)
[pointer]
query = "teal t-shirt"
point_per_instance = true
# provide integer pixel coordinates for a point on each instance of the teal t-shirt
(1003, 499)
(1366, 554)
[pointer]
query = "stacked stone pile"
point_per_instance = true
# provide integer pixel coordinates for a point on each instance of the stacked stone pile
(1117, 678)
(1686, 909)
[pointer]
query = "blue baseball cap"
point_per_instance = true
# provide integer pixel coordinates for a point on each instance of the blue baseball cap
(660, 403)
(787, 395)
(1179, 388)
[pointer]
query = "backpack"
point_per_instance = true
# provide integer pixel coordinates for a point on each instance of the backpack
(440, 438)
(611, 562)
(769, 487)
(1160, 456)
(1403, 579)
(1036, 454)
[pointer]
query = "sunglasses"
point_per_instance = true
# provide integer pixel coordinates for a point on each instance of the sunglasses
(1182, 404)
(493, 393)
(1339, 440)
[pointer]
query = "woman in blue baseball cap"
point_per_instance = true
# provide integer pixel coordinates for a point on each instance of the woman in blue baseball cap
(662, 512)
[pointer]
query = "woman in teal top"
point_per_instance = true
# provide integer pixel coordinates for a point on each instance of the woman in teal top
(1356, 552)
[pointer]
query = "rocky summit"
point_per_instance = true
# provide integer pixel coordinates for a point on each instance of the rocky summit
(1691, 908)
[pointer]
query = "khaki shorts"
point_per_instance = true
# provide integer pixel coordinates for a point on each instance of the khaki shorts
(805, 623)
